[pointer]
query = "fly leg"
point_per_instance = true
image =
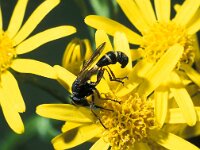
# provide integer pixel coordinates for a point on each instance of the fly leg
(104, 98)
(112, 76)
(99, 77)
(92, 107)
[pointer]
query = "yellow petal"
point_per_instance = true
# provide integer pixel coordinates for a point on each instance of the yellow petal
(35, 19)
(177, 7)
(101, 37)
(1, 20)
(171, 141)
(194, 24)
(11, 115)
(197, 53)
(9, 84)
(141, 146)
(121, 44)
(135, 77)
(136, 54)
(65, 112)
(44, 37)
(17, 18)
(146, 11)
(77, 54)
(161, 105)
(100, 145)
(175, 115)
(163, 10)
(161, 70)
(33, 67)
(88, 49)
(111, 26)
(74, 55)
(197, 109)
(134, 14)
(186, 12)
(69, 52)
(194, 28)
(76, 137)
(65, 77)
(192, 74)
(183, 99)
(70, 125)
(103, 86)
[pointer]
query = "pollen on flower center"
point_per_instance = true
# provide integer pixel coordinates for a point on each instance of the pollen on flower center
(163, 35)
(129, 121)
(7, 51)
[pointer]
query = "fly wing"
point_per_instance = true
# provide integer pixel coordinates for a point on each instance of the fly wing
(85, 74)
(94, 56)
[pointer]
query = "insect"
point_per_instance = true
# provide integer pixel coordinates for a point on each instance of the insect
(82, 87)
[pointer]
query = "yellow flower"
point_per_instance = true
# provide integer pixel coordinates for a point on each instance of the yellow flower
(129, 122)
(75, 53)
(158, 33)
(13, 43)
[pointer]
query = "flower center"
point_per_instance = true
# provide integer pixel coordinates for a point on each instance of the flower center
(7, 52)
(161, 36)
(129, 121)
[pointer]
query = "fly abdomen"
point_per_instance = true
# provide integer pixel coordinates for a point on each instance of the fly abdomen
(122, 58)
(107, 59)
(112, 57)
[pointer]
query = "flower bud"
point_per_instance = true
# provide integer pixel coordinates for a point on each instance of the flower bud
(75, 53)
